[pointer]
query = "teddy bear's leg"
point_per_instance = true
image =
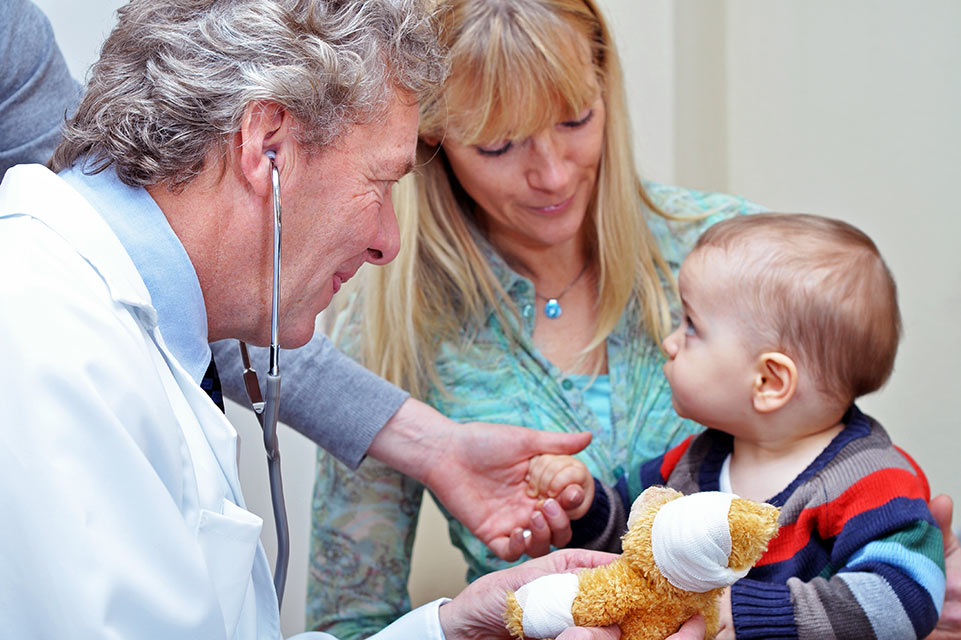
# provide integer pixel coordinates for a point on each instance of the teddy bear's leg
(641, 626)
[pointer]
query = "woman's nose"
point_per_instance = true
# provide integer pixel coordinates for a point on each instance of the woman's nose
(550, 168)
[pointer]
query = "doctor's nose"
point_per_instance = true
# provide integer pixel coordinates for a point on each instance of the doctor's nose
(386, 244)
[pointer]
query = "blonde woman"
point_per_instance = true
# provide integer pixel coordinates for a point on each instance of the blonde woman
(534, 285)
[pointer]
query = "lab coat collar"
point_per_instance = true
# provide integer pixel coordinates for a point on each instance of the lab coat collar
(159, 257)
(63, 210)
(67, 213)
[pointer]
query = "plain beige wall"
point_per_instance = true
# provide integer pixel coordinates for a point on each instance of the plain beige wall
(847, 109)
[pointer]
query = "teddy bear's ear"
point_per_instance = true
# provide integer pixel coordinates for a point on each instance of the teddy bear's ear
(753, 525)
(649, 501)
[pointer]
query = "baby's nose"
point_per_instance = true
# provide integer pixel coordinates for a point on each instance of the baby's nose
(669, 345)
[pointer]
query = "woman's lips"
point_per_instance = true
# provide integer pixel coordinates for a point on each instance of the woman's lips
(554, 208)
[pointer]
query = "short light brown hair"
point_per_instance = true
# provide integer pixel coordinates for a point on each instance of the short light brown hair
(816, 289)
(175, 76)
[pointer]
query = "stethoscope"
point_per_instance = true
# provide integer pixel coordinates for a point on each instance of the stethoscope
(267, 410)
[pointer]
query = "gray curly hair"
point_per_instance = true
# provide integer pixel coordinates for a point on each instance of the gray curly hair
(175, 76)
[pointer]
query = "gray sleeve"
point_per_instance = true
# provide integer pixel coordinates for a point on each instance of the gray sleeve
(325, 395)
(37, 92)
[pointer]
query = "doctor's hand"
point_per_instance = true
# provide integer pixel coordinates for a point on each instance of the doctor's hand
(477, 471)
(479, 609)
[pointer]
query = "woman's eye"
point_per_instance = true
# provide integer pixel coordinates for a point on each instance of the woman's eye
(494, 149)
(579, 122)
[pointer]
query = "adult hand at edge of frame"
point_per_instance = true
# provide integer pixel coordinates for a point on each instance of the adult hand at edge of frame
(949, 624)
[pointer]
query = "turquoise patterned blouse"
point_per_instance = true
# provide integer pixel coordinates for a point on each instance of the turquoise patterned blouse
(363, 523)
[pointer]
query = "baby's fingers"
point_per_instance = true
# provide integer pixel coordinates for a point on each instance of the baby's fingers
(542, 469)
(565, 477)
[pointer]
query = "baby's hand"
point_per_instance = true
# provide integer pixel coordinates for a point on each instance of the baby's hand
(725, 617)
(564, 478)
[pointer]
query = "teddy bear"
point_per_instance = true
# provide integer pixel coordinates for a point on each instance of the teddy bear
(679, 553)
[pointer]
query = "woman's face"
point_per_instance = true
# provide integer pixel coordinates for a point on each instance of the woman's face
(533, 193)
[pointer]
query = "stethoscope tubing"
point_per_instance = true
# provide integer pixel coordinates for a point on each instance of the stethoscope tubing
(267, 407)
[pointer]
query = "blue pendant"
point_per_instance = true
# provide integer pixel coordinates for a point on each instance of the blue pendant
(552, 309)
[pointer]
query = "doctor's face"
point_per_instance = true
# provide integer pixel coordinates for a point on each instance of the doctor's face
(337, 215)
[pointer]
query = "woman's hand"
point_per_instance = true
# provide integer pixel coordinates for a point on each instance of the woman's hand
(479, 609)
(949, 625)
(478, 471)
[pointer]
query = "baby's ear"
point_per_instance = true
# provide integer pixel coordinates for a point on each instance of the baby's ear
(753, 525)
(775, 381)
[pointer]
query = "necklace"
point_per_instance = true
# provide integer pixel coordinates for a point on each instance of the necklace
(552, 308)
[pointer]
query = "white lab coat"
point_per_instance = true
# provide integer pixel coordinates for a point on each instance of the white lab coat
(128, 515)
(121, 514)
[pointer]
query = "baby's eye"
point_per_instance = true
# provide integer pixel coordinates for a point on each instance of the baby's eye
(689, 328)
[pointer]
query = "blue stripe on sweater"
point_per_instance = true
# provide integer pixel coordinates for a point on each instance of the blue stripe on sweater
(650, 473)
(918, 566)
(879, 522)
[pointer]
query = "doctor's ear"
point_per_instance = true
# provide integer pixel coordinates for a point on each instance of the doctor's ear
(265, 135)
(775, 381)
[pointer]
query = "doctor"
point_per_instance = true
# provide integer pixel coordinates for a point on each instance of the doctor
(121, 507)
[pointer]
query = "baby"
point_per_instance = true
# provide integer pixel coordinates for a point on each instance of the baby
(789, 318)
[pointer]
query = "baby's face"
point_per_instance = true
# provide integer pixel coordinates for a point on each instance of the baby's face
(710, 371)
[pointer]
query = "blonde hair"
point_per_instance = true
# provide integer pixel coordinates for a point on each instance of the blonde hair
(509, 78)
(816, 289)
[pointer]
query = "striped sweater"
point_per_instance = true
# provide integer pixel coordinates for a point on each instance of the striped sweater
(858, 554)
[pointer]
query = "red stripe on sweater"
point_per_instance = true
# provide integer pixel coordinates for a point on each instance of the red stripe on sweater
(917, 471)
(672, 456)
(870, 492)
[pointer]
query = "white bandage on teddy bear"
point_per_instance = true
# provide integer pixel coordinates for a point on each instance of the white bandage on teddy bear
(546, 602)
(691, 542)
